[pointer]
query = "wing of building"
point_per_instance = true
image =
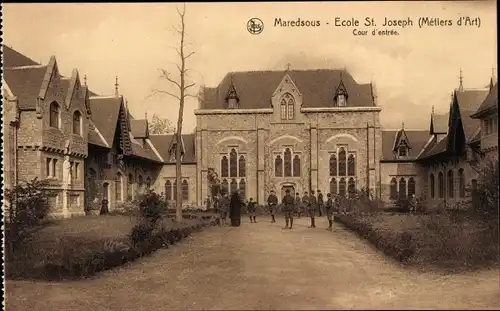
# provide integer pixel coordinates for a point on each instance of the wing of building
(257, 131)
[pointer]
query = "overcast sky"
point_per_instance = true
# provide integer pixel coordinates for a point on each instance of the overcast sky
(412, 71)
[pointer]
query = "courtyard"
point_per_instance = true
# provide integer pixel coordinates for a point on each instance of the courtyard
(261, 266)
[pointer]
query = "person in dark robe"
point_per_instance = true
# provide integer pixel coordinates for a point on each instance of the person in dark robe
(321, 203)
(235, 209)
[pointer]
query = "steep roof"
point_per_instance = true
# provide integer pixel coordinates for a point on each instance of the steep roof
(12, 58)
(417, 139)
(105, 111)
(489, 102)
(439, 123)
(436, 147)
(25, 83)
(163, 142)
(255, 88)
(139, 128)
(144, 150)
(468, 103)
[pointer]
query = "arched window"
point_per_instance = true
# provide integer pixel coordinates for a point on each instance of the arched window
(288, 162)
(402, 188)
(77, 123)
(234, 185)
(224, 167)
(118, 187)
(342, 187)
(54, 115)
(333, 186)
(130, 186)
(351, 165)
(140, 181)
(296, 166)
(394, 189)
(148, 183)
(243, 188)
(225, 186)
(168, 190)
(351, 186)
(233, 163)
(342, 162)
(278, 166)
(432, 186)
(241, 167)
(283, 109)
(185, 190)
(461, 183)
(441, 185)
(291, 109)
(174, 192)
(92, 184)
(450, 184)
(411, 186)
(333, 165)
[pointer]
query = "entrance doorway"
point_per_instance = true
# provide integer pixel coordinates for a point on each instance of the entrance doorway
(287, 187)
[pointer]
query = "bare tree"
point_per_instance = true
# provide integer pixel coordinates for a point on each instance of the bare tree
(182, 86)
(160, 125)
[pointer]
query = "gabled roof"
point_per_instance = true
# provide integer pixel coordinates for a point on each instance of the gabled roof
(25, 83)
(468, 103)
(255, 88)
(12, 58)
(105, 111)
(144, 150)
(139, 128)
(439, 123)
(435, 147)
(416, 139)
(489, 102)
(163, 142)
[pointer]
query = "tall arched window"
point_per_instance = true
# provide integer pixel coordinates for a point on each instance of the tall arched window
(291, 108)
(118, 187)
(234, 185)
(77, 123)
(140, 182)
(342, 162)
(148, 183)
(283, 109)
(411, 186)
(168, 190)
(394, 189)
(243, 188)
(432, 186)
(130, 186)
(351, 165)
(441, 185)
(278, 166)
(224, 167)
(296, 166)
(461, 183)
(241, 166)
(451, 189)
(225, 186)
(342, 187)
(54, 115)
(333, 186)
(333, 165)
(185, 190)
(351, 186)
(233, 163)
(402, 188)
(288, 162)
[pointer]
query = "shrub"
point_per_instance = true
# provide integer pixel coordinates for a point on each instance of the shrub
(485, 195)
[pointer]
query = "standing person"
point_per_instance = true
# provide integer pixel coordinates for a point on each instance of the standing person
(329, 210)
(305, 203)
(251, 208)
(272, 202)
(298, 204)
(313, 206)
(223, 208)
(235, 209)
(288, 204)
(413, 204)
(321, 203)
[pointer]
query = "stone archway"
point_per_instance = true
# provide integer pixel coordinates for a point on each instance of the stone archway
(288, 186)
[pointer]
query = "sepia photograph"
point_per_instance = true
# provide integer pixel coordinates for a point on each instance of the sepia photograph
(250, 156)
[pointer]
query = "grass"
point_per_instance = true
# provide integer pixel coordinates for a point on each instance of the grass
(80, 247)
(443, 241)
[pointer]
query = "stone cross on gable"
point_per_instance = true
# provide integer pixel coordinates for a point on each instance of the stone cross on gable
(288, 67)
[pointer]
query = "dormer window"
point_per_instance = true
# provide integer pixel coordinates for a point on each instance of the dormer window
(402, 149)
(341, 102)
(340, 97)
(232, 98)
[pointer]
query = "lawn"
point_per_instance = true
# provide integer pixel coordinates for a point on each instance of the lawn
(79, 247)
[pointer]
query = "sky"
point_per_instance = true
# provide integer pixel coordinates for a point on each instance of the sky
(412, 72)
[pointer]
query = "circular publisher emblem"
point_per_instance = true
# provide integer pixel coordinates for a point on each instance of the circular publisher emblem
(255, 26)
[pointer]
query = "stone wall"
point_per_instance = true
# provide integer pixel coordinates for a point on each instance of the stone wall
(167, 172)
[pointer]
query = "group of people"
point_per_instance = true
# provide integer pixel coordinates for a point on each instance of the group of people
(309, 204)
